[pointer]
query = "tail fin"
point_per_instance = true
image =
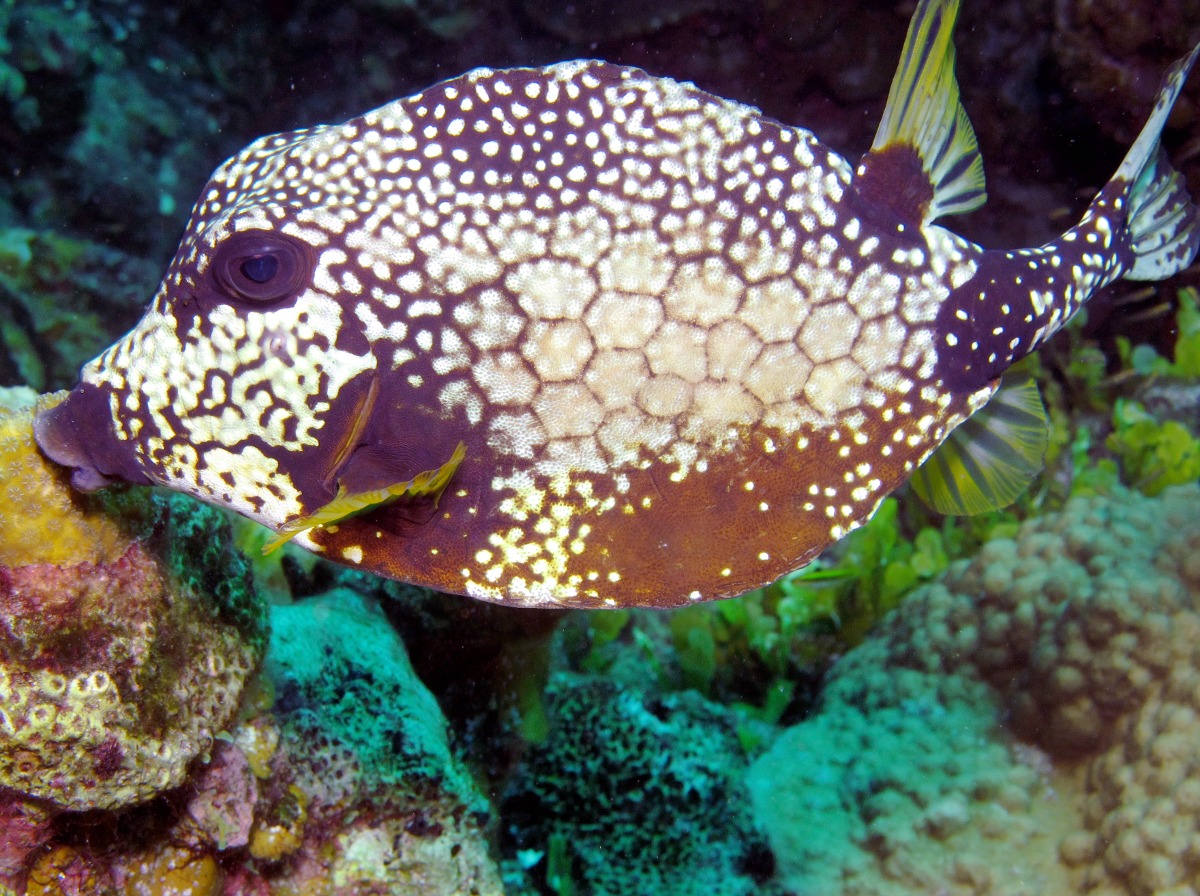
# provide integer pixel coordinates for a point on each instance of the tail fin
(1163, 222)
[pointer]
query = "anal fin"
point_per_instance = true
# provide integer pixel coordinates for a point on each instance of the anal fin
(988, 461)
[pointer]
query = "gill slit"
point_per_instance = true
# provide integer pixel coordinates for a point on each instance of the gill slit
(358, 422)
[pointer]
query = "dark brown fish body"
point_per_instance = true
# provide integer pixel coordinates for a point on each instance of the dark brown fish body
(685, 347)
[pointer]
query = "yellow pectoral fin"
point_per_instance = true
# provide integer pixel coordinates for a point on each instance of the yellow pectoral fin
(429, 483)
(434, 482)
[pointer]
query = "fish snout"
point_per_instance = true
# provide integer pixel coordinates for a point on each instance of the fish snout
(78, 433)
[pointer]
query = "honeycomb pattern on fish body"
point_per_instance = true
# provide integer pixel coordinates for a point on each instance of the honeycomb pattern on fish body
(577, 335)
(608, 273)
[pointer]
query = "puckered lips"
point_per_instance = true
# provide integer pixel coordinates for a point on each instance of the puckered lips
(78, 433)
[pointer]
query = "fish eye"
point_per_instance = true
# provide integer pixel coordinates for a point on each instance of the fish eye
(261, 266)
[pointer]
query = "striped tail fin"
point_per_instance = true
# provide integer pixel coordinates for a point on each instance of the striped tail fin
(1162, 220)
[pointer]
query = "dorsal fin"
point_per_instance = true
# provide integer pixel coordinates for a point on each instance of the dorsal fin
(925, 161)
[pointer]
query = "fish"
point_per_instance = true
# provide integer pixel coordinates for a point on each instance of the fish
(580, 336)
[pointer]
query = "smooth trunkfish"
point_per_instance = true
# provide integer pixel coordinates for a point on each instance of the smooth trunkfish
(581, 336)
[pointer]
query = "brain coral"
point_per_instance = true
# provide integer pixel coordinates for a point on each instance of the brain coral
(125, 639)
(1028, 724)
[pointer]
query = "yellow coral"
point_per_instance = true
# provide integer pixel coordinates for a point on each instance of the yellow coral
(42, 520)
(271, 840)
(83, 741)
(64, 871)
(258, 738)
(121, 655)
(174, 871)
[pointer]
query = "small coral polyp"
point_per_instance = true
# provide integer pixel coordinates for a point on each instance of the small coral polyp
(123, 647)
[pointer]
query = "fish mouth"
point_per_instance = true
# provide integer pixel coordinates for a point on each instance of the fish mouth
(78, 433)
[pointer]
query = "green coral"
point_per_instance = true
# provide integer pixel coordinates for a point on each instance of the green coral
(1187, 342)
(1150, 441)
(389, 806)
(341, 673)
(1145, 361)
(39, 37)
(199, 553)
(1135, 424)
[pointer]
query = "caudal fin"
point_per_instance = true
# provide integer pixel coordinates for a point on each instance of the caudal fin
(1163, 222)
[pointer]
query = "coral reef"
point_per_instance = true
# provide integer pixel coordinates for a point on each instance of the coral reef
(344, 785)
(128, 630)
(632, 793)
(125, 645)
(625, 18)
(1034, 710)
(1015, 745)
(90, 85)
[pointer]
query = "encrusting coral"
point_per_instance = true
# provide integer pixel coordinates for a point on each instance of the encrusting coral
(1037, 710)
(636, 793)
(124, 644)
(42, 521)
(336, 779)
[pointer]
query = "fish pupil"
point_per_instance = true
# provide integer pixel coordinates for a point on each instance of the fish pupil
(260, 268)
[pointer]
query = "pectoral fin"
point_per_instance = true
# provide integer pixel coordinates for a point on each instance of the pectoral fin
(428, 483)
